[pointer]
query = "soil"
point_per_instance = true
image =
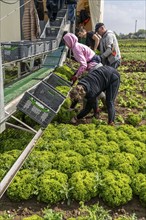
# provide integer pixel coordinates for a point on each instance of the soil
(27, 208)
(30, 207)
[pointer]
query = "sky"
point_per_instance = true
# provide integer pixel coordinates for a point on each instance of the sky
(124, 16)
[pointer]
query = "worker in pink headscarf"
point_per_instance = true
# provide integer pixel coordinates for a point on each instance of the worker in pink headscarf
(83, 54)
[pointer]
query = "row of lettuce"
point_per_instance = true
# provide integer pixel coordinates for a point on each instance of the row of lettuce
(85, 161)
(81, 162)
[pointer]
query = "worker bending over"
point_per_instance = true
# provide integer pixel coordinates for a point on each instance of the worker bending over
(105, 78)
(83, 54)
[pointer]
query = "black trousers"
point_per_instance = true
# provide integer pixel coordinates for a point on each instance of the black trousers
(111, 93)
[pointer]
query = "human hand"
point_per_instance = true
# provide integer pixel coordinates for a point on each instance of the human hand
(74, 120)
(74, 79)
(71, 109)
(99, 58)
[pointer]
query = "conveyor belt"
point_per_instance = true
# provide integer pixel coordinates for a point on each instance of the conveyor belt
(13, 94)
(19, 87)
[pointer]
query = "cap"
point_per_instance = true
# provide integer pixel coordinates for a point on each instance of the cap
(98, 25)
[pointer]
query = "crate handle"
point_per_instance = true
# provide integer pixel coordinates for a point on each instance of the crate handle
(39, 107)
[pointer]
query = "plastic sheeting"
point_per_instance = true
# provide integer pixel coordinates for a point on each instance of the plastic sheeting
(96, 8)
(96, 11)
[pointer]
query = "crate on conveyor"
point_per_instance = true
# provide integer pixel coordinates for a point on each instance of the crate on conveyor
(17, 50)
(59, 22)
(47, 44)
(62, 13)
(54, 81)
(39, 47)
(54, 34)
(54, 42)
(41, 104)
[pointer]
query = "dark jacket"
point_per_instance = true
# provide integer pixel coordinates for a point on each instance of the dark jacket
(70, 1)
(53, 6)
(40, 9)
(98, 81)
(105, 78)
(90, 42)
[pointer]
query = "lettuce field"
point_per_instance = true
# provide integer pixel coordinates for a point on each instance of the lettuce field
(89, 170)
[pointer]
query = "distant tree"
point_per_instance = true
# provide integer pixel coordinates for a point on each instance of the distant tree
(130, 35)
(141, 31)
(117, 36)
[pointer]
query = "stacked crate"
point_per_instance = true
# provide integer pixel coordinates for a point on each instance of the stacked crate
(16, 50)
(43, 102)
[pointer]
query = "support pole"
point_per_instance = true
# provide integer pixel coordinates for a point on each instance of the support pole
(2, 111)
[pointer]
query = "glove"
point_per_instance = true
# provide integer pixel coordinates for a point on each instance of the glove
(71, 109)
(99, 59)
(74, 120)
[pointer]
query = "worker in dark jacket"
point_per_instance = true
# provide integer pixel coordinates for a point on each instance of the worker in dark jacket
(104, 78)
(53, 6)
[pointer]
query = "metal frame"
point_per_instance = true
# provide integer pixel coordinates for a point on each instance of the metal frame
(4, 184)
(2, 111)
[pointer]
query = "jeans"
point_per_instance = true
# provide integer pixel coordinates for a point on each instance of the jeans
(116, 64)
(71, 12)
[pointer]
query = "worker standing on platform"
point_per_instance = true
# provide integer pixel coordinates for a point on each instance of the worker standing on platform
(71, 6)
(105, 78)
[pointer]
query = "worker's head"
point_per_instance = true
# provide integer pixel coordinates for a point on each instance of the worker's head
(82, 33)
(100, 29)
(77, 93)
(70, 39)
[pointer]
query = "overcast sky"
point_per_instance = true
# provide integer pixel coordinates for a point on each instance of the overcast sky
(121, 15)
